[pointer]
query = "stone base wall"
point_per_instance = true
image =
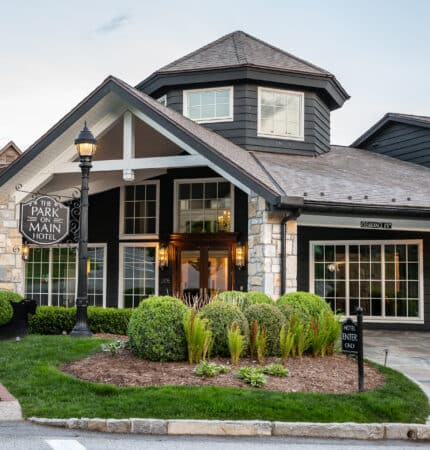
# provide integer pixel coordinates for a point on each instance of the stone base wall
(11, 264)
(264, 249)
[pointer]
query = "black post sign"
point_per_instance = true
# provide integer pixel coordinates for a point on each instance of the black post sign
(352, 343)
(44, 221)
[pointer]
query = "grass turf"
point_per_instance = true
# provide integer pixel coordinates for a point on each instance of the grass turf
(28, 370)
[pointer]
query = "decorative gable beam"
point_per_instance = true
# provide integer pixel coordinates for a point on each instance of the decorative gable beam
(159, 162)
(128, 145)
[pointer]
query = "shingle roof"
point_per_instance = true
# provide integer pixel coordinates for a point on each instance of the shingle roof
(238, 49)
(411, 119)
(347, 175)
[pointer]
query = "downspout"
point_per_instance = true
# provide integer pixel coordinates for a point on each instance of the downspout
(291, 214)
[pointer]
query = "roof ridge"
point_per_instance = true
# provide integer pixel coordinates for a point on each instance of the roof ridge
(204, 47)
(241, 57)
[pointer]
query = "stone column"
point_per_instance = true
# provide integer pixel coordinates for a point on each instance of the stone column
(264, 249)
(11, 264)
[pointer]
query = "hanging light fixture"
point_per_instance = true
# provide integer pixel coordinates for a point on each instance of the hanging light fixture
(163, 256)
(240, 255)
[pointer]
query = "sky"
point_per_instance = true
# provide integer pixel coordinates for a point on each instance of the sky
(53, 53)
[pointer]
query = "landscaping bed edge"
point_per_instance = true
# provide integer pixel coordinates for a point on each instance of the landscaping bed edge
(346, 430)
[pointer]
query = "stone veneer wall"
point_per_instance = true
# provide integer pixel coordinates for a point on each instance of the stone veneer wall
(264, 249)
(11, 264)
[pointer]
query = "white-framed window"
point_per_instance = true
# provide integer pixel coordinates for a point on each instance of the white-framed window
(209, 105)
(162, 100)
(138, 272)
(384, 277)
(203, 205)
(280, 114)
(51, 275)
(139, 216)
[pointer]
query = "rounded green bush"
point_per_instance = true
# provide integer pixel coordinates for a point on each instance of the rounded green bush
(11, 296)
(258, 297)
(303, 304)
(271, 319)
(155, 329)
(221, 316)
(236, 298)
(6, 311)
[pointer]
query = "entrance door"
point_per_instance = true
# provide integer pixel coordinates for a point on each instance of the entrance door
(204, 270)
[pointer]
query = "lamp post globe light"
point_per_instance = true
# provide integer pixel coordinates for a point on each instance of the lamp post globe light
(86, 146)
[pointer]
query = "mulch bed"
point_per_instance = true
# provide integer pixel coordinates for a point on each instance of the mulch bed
(334, 374)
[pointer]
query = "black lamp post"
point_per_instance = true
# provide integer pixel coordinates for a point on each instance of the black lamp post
(86, 146)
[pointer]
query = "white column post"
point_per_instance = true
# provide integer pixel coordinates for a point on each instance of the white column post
(128, 145)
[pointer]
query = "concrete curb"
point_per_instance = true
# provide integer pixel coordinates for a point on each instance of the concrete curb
(347, 430)
(10, 409)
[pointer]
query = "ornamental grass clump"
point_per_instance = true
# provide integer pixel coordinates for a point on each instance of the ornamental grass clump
(287, 342)
(235, 343)
(236, 298)
(324, 333)
(258, 342)
(198, 336)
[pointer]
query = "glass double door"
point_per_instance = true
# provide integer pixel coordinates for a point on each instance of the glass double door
(204, 270)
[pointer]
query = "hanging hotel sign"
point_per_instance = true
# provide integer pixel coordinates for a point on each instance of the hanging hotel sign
(44, 220)
(376, 225)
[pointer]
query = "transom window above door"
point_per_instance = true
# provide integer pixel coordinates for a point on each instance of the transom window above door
(383, 277)
(209, 105)
(280, 114)
(139, 210)
(203, 206)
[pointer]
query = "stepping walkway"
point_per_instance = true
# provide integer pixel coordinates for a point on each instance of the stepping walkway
(408, 352)
(9, 406)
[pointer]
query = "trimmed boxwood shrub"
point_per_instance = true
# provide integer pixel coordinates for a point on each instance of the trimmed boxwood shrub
(6, 311)
(258, 297)
(271, 318)
(56, 319)
(304, 304)
(221, 316)
(11, 296)
(156, 331)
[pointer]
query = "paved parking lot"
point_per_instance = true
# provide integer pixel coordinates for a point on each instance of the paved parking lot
(408, 352)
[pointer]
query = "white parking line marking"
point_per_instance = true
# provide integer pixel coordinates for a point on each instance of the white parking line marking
(64, 444)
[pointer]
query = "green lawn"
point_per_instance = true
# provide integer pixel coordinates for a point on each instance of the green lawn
(28, 370)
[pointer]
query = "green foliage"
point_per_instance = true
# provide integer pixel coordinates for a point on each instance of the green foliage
(6, 311)
(209, 369)
(56, 319)
(254, 298)
(11, 296)
(235, 343)
(286, 342)
(156, 329)
(271, 319)
(324, 333)
(301, 332)
(275, 370)
(303, 304)
(28, 369)
(221, 316)
(198, 336)
(112, 347)
(52, 320)
(236, 298)
(252, 376)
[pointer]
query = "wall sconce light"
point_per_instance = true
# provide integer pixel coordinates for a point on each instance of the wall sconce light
(240, 255)
(25, 252)
(88, 265)
(163, 255)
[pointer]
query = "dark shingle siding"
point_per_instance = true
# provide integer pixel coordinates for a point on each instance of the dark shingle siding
(403, 141)
(243, 130)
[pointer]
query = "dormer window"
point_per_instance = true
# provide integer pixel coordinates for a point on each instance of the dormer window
(209, 105)
(280, 114)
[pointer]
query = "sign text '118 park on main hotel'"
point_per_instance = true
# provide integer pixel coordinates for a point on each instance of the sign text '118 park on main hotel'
(44, 221)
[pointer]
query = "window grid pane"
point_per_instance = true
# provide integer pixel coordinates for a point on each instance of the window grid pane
(139, 272)
(204, 207)
(209, 104)
(140, 209)
(380, 277)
